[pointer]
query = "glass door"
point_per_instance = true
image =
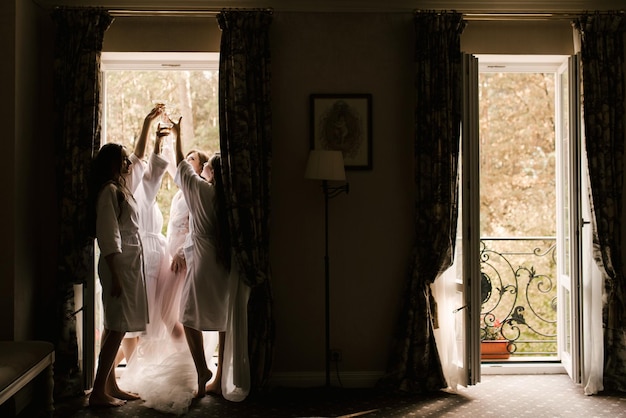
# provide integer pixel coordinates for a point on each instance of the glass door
(469, 223)
(569, 217)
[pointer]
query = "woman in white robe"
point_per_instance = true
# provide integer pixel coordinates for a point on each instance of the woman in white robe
(120, 267)
(205, 302)
(205, 298)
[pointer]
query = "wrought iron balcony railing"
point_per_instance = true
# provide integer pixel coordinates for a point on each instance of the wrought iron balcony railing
(518, 292)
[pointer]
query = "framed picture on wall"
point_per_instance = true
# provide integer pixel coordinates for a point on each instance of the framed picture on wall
(343, 122)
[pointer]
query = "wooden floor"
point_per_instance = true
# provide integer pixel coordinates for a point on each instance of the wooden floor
(535, 396)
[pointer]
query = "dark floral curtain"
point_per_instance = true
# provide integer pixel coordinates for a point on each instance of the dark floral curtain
(246, 148)
(602, 57)
(77, 137)
(415, 365)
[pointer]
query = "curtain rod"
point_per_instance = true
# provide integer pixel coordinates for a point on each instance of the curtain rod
(509, 16)
(520, 16)
(526, 16)
(163, 13)
(176, 13)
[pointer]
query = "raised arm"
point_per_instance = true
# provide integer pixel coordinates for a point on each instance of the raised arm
(162, 133)
(140, 145)
(179, 145)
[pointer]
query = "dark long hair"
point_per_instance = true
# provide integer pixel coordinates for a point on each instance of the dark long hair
(106, 167)
(219, 204)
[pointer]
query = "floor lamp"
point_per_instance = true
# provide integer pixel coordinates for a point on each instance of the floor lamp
(327, 166)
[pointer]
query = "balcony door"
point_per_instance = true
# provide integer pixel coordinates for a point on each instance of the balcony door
(469, 225)
(569, 217)
(566, 215)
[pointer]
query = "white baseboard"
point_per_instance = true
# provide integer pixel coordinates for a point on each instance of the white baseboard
(522, 368)
(365, 379)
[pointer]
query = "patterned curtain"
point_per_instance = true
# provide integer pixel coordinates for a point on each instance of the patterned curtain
(415, 365)
(246, 148)
(77, 137)
(602, 56)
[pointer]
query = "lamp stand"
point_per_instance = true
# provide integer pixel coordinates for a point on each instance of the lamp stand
(329, 193)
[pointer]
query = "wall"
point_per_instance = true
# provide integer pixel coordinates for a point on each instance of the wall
(28, 215)
(7, 171)
(371, 228)
(25, 180)
(22, 171)
(40, 162)
(551, 37)
(153, 34)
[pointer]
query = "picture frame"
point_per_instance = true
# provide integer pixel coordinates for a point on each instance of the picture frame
(343, 122)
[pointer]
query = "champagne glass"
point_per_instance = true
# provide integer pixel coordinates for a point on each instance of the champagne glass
(163, 105)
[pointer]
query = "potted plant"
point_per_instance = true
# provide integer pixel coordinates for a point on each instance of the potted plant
(493, 345)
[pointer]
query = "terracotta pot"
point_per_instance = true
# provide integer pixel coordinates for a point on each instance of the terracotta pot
(494, 350)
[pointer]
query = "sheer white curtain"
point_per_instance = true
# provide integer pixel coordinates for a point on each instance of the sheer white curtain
(592, 295)
(446, 292)
(236, 367)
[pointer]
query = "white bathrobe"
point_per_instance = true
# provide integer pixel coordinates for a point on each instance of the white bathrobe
(205, 297)
(117, 231)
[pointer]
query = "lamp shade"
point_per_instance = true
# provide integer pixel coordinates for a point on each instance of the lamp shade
(325, 165)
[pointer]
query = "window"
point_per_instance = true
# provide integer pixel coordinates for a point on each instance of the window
(186, 82)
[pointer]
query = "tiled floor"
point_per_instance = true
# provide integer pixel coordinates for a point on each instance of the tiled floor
(511, 396)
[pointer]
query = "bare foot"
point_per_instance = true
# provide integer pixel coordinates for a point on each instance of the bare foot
(215, 387)
(127, 396)
(104, 401)
(202, 381)
(114, 390)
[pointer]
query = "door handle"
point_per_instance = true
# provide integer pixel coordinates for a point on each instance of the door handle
(460, 309)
